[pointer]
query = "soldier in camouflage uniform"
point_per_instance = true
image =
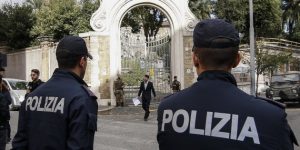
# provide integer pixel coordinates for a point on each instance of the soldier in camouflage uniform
(175, 85)
(118, 91)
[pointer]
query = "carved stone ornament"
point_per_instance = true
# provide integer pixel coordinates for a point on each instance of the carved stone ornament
(98, 20)
(191, 21)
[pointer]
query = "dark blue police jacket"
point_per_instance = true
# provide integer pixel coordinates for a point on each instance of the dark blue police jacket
(213, 114)
(60, 115)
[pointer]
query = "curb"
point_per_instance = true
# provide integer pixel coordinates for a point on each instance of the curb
(105, 111)
(108, 110)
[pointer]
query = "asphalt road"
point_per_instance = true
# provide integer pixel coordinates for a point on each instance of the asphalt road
(293, 112)
(126, 130)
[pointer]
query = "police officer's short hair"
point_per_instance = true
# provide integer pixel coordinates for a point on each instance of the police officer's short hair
(67, 60)
(70, 50)
(147, 76)
(215, 57)
(216, 43)
(36, 71)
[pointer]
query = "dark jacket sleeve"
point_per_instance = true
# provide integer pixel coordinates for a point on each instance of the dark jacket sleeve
(4, 112)
(8, 97)
(288, 137)
(20, 141)
(160, 134)
(153, 90)
(82, 123)
(141, 89)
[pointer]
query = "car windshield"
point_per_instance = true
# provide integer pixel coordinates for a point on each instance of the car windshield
(277, 79)
(17, 85)
(291, 77)
(287, 78)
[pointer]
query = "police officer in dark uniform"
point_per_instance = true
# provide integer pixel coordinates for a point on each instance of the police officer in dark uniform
(213, 114)
(4, 118)
(62, 113)
(176, 86)
(36, 82)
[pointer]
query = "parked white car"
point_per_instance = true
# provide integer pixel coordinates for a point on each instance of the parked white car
(17, 89)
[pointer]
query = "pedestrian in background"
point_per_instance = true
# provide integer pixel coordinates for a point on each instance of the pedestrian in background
(66, 115)
(119, 91)
(176, 85)
(36, 82)
(146, 88)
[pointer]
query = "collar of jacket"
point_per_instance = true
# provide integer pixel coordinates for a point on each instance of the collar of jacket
(37, 81)
(68, 74)
(217, 75)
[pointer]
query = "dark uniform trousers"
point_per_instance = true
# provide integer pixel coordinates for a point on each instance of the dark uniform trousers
(60, 115)
(3, 137)
(146, 96)
(4, 118)
(213, 114)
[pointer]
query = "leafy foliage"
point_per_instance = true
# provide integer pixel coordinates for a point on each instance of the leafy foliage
(75, 18)
(3, 25)
(269, 62)
(267, 16)
(149, 19)
(35, 4)
(290, 16)
(16, 21)
(202, 9)
(133, 77)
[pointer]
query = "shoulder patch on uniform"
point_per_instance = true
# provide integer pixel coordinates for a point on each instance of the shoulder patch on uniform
(91, 94)
(281, 105)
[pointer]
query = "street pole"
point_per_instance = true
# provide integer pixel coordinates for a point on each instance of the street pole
(252, 49)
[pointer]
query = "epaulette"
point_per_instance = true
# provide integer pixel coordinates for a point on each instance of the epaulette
(89, 92)
(278, 104)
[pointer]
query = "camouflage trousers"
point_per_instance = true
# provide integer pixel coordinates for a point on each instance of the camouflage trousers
(119, 97)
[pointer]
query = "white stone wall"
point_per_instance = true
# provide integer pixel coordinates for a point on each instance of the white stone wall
(20, 64)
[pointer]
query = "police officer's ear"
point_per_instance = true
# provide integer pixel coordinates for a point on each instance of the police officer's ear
(196, 60)
(237, 60)
(82, 62)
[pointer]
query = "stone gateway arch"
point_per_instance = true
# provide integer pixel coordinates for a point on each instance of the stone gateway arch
(105, 45)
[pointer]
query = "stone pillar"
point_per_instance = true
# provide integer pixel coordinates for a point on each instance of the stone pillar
(104, 65)
(98, 71)
(44, 72)
(189, 72)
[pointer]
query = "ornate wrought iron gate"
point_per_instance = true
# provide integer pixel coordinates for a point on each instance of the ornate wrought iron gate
(140, 57)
